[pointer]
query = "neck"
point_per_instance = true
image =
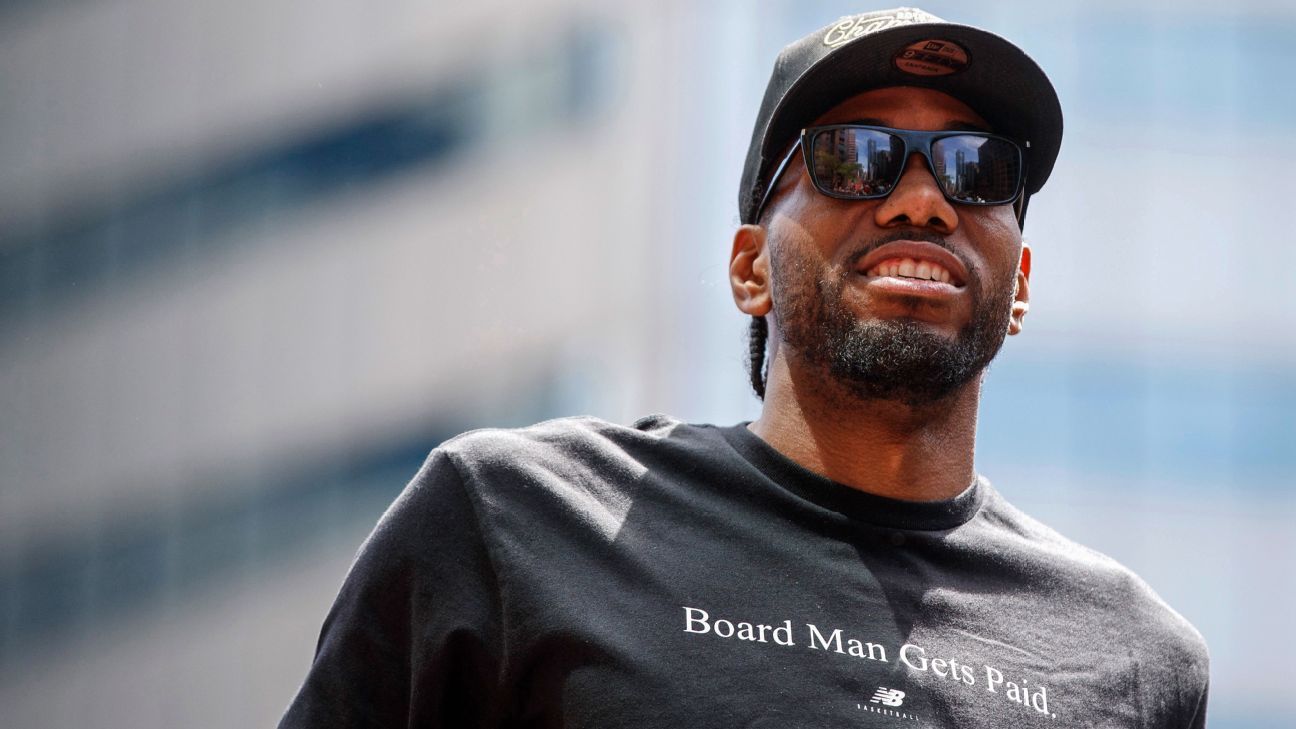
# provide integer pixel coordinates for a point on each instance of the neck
(884, 447)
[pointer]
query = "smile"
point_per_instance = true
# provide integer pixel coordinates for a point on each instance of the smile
(910, 268)
(914, 264)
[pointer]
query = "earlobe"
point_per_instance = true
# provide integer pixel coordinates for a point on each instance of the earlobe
(1021, 294)
(749, 271)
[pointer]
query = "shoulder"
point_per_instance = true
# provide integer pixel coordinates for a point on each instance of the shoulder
(558, 431)
(1106, 591)
(577, 468)
(552, 443)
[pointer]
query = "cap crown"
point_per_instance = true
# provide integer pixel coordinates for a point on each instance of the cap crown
(903, 47)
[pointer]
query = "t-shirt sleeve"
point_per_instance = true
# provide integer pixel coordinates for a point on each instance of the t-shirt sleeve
(413, 636)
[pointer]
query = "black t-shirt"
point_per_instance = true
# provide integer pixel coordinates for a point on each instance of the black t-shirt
(578, 573)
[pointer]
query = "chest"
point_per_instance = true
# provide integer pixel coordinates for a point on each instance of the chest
(668, 628)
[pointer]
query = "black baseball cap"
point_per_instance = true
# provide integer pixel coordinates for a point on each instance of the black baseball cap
(904, 47)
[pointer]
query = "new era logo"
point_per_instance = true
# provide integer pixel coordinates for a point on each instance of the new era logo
(888, 697)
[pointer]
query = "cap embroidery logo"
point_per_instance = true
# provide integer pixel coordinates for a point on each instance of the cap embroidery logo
(848, 29)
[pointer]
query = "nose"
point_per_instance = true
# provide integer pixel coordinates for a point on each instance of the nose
(917, 201)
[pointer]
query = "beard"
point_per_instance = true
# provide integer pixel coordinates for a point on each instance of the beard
(883, 359)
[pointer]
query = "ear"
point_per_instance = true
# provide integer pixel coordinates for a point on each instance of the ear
(1021, 296)
(749, 274)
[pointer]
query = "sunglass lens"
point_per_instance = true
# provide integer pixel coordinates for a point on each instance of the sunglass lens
(975, 169)
(856, 162)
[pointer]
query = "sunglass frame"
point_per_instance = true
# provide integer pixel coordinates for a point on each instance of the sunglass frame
(914, 141)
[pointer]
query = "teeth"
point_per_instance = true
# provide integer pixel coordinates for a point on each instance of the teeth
(909, 268)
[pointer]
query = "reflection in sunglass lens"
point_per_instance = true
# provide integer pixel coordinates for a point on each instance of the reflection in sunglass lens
(976, 169)
(859, 162)
(856, 162)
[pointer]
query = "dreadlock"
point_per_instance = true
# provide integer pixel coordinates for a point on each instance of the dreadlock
(757, 333)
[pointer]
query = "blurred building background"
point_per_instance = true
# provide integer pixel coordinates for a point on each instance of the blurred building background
(258, 258)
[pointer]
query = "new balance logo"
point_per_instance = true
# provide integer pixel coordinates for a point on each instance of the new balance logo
(888, 697)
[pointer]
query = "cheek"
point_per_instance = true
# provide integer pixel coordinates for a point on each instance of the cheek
(820, 223)
(798, 233)
(1000, 222)
(796, 203)
(999, 238)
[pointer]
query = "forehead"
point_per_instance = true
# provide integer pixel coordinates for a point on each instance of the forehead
(905, 107)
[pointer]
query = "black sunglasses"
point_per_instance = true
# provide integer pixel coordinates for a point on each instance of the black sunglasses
(861, 162)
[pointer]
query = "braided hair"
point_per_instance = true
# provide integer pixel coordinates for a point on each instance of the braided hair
(757, 333)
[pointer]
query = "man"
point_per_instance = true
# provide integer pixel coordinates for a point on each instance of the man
(836, 562)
